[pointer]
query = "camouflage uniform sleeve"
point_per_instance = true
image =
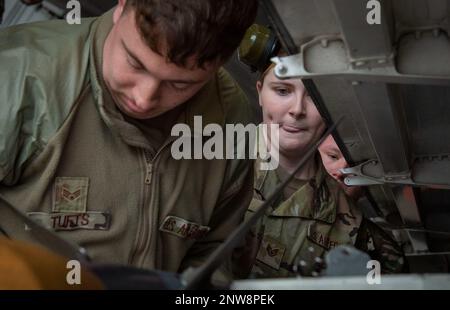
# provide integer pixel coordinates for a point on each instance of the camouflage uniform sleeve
(381, 246)
(244, 256)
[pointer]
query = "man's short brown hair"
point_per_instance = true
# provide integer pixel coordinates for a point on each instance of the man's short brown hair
(209, 30)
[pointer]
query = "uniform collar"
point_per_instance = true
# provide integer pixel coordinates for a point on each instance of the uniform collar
(301, 203)
(203, 103)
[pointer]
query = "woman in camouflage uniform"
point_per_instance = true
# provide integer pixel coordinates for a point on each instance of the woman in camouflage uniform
(313, 214)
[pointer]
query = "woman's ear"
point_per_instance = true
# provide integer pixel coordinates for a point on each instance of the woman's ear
(119, 10)
(259, 86)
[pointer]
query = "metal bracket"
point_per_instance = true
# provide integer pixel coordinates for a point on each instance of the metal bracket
(328, 56)
(371, 173)
(426, 171)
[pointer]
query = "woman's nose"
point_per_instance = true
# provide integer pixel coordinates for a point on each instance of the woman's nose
(298, 108)
(337, 174)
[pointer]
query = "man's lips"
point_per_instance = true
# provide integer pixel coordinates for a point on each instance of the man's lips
(131, 105)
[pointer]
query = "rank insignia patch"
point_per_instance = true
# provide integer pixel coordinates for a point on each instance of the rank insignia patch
(70, 194)
(271, 252)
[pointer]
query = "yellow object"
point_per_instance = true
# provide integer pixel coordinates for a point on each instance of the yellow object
(26, 266)
(257, 47)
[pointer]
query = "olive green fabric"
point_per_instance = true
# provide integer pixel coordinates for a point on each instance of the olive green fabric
(295, 233)
(63, 138)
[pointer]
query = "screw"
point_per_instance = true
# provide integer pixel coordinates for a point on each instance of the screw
(281, 69)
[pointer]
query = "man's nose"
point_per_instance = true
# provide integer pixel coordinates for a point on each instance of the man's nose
(147, 92)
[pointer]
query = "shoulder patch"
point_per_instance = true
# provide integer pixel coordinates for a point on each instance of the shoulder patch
(271, 252)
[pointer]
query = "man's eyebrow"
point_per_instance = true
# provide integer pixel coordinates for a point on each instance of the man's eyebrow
(132, 55)
(143, 67)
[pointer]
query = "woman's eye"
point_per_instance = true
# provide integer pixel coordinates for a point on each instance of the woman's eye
(282, 91)
(333, 157)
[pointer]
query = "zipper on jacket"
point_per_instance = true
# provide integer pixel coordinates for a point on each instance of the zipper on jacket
(145, 227)
(143, 218)
(148, 167)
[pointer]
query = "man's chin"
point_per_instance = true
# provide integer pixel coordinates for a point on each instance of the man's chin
(141, 116)
(137, 115)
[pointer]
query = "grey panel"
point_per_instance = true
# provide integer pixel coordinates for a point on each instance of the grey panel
(413, 14)
(307, 19)
(341, 100)
(355, 29)
(428, 117)
(392, 81)
(405, 282)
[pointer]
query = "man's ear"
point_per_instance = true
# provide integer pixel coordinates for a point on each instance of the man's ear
(259, 86)
(119, 10)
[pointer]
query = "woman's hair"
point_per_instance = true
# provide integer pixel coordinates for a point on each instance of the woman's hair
(264, 74)
(270, 66)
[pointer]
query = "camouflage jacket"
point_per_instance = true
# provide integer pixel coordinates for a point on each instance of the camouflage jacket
(295, 234)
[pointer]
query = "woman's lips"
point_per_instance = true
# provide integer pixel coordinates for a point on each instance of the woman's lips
(293, 129)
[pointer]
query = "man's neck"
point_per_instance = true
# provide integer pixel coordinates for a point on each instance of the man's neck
(163, 122)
